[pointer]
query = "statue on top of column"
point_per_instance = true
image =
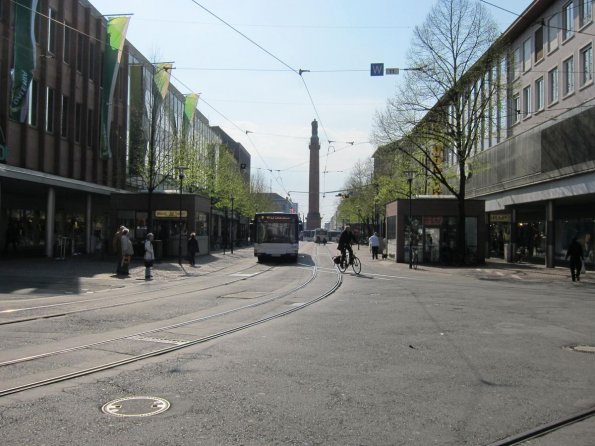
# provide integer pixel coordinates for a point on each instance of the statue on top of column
(314, 128)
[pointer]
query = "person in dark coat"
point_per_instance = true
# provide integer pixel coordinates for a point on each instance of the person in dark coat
(575, 252)
(345, 240)
(192, 248)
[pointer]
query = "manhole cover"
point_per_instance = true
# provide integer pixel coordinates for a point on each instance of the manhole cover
(583, 348)
(136, 406)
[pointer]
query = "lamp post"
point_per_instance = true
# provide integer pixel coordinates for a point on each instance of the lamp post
(181, 176)
(409, 174)
(231, 224)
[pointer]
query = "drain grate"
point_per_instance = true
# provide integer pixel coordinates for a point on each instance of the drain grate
(136, 406)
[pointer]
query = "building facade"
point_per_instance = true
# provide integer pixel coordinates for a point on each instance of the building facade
(76, 163)
(534, 160)
(539, 182)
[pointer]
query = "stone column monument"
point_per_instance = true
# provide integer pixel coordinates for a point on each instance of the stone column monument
(313, 218)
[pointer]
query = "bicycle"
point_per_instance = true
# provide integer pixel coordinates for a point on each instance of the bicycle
(343, 263)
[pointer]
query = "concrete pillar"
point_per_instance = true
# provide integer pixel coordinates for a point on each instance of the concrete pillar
(50, 222)
(550, 234)
(513, 236)
(89, 226)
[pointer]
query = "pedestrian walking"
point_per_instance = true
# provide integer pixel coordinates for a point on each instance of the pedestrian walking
(374, 245)
(192, 248)
(575, 252)
(117, 248)
(149, 256)
(127, 251)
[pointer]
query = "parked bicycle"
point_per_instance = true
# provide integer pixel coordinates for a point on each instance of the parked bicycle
(343, 263)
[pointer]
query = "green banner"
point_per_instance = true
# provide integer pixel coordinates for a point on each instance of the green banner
(24, 57)
(189, 108)
(116, 36)
(161, 79)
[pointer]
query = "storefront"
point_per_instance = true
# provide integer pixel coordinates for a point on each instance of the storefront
(432, 230)
(170, 226)
(43, 214)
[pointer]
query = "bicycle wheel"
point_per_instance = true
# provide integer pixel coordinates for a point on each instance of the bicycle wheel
(342, 265)
(357, 265)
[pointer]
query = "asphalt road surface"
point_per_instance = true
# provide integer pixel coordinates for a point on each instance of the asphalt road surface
(390, 357)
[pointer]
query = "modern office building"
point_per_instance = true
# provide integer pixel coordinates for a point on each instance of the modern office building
(534, 164)
(539, 180)
(82, 113)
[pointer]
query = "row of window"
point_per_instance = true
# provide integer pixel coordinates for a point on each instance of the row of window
(51, 101)
(546, 35)
(530, 105)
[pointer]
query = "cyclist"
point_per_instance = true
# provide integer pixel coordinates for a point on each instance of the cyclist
(344, 244)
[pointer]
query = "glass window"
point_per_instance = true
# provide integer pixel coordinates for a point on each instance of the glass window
(567, 21)
(516, 108)
(49, 110)
(554, 85)
(527, 101)
(568, 72)
(78, 120)
(586, 65)
(80, 53)
(90, 128)
(552, 33)
(584, 10)
(51, 31)
(538, 44)
(33, 99)
(64, 117)
(67, 43)
(527, 54)
(539, 93)
(516, 63)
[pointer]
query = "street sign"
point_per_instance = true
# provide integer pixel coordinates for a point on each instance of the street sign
(392, 71)
(377, 69)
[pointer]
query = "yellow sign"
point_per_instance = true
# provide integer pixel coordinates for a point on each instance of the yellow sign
(500, 218)
(170, 214)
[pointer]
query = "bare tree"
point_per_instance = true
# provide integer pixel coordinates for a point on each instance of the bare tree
(358, 201)
(449, 98)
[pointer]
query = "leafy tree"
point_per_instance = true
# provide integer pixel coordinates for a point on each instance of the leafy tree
(445, 104)
(358, 202)
(152, 138)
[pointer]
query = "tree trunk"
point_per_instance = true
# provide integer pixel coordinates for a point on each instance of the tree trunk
(461, 239)
(150, 212)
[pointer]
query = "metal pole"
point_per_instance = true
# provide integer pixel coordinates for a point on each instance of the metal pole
(410, 228)
(180, 223)
(231, 225)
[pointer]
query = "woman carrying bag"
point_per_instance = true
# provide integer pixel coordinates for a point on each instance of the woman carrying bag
(149, 256)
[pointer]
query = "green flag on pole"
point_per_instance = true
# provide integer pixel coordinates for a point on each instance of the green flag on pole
(190, 102)
(24, 57)
(116, 36)
(161, 79)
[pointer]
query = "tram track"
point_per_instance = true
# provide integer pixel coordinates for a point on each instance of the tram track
(168, 287)
(178, 345)
(544, 430)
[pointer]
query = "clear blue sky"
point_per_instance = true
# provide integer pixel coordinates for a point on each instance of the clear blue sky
(243, 88)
